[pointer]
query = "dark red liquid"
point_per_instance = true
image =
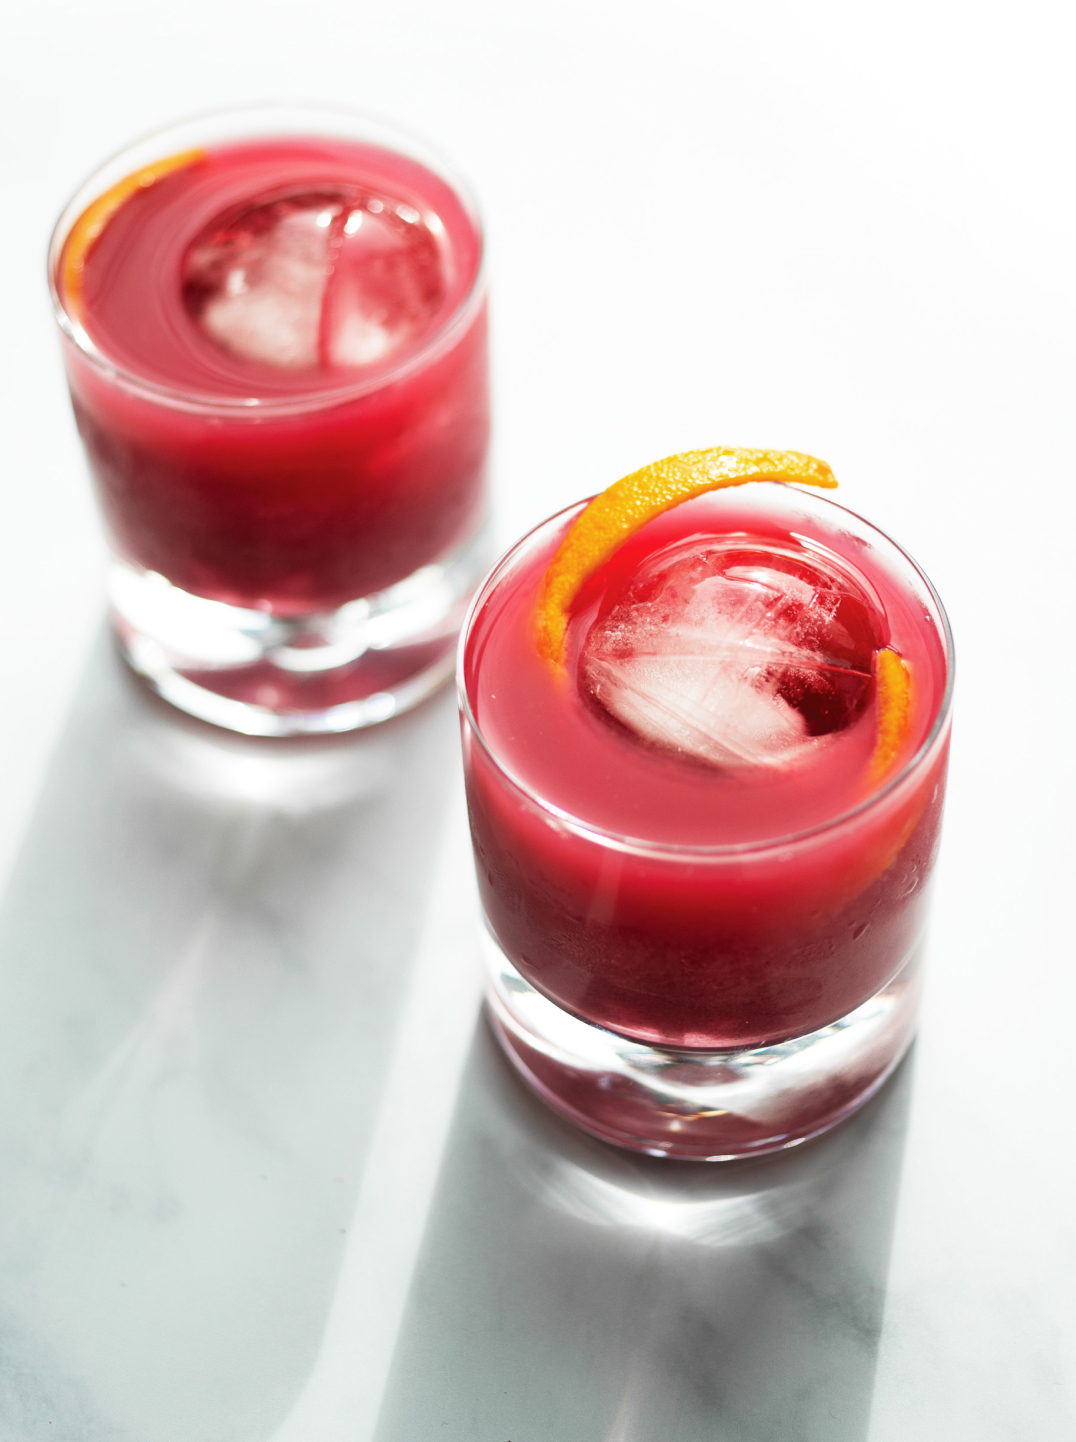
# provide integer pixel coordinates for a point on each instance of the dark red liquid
(769, 921)
(301, 412)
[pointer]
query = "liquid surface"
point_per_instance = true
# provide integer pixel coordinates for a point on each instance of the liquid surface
(719, 687)
(276, 267)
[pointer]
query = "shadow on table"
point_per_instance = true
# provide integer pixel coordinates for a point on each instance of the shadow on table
(204, 955)
(203, 952)
(569, 1292)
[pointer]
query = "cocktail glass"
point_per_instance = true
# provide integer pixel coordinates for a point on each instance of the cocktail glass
(274, 328)
(674, 993)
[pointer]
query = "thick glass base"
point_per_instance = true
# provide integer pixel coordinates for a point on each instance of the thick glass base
(700, 1105)
(268, 675)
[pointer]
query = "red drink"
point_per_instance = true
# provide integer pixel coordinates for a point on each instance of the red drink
(683, 840)
(276, 350)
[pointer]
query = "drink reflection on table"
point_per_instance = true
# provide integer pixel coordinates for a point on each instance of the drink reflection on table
(567, 1289)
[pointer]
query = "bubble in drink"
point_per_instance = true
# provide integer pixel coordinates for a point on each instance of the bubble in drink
(735, 652)
(331, 278)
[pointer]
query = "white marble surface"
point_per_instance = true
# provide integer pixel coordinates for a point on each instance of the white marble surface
(261, 1177)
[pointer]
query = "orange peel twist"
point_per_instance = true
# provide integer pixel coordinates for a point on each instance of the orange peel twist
(893, 690)
(624, 507)
(615, 515)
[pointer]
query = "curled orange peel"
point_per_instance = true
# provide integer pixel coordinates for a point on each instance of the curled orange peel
(893, 687)
(90, 224)
(624, 507)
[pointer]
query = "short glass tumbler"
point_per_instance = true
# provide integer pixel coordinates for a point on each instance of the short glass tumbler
(701, 1001)
(273, 323)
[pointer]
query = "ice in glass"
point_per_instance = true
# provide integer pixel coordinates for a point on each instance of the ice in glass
(705, 826)
(274, 330)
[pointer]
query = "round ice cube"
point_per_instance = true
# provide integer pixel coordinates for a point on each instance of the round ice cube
(325, 278)
(734, 651)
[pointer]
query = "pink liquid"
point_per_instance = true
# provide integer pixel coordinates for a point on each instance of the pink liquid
(673, 900)
(293, 458)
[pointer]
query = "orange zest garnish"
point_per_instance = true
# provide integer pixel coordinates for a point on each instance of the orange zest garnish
(618, 512)
(99, 212)
(893, 685)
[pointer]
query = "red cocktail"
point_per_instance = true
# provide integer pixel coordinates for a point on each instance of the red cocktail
(703, 872)
(274, 329)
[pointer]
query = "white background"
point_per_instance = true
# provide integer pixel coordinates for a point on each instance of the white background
(846, 229)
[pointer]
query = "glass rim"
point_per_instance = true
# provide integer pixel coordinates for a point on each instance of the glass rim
(311, 119)
(640, 846)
